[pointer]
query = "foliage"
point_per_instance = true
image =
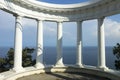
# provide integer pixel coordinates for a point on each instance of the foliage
(116, 52)
(27, 57)
(7, 62)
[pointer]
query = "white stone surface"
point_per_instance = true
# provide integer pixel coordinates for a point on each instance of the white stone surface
(59, 61)
(32, 9)
(1, 77)
(79, 44)
(39, 48)
(114, 75)
(18, 45)
(101, 44)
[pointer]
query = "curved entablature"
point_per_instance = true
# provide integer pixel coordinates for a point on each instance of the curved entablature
(72, 12)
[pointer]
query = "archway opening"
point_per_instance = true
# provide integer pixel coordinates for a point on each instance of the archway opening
(69, 42)
(112, 32)
(50, 52)
(7, 29)
(90, 42)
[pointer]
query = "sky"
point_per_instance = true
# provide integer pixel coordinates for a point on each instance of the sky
(63, 1)
(7, 29)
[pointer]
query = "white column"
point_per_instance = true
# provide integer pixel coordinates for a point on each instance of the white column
(18, 45)
(39, 46)
(101, 44)
(79, 44)
(59, 61)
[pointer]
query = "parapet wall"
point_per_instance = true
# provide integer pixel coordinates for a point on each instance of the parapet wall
(110, 74)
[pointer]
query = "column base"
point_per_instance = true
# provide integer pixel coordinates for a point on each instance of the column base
(39, 65)
(80, 65)
(20, 69)
(59, 64)
(104, 68)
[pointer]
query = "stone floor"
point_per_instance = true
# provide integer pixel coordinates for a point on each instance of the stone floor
(62, 76)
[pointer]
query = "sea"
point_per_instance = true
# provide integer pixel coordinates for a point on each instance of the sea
(89, 54)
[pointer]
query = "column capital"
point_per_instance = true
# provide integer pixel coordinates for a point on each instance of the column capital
(59, 24)
(41, 19)
(17, 15)
(18, 18)
(59, 21)
(79, 21)
(101, 18)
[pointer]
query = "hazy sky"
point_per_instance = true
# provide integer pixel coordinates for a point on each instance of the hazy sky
(7, 29)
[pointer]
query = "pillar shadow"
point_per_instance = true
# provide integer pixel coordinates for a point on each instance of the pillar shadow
(67, 76)
(92, 77)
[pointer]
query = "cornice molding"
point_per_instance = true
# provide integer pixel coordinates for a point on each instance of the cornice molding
(95, 10)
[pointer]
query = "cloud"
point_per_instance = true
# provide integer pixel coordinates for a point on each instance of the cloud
(50, 27)
(112, 32)
(27, 23)
(112, 28)
(89, 29)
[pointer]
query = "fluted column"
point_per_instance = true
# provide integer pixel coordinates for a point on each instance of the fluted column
(18, 45)
(101, 44)
(79, 44)
(39, 45)
(59, 61)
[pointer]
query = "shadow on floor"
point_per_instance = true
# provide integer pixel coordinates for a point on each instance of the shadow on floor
(75, 76)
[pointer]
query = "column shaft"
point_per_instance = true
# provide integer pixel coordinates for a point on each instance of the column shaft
(18, 45)
(59, 44)
(101, 44)
(79, 44)
(39, 46)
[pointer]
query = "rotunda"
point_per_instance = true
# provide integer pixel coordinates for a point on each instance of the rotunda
(59, 13)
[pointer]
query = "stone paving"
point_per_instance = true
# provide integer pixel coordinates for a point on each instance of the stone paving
(62, 76)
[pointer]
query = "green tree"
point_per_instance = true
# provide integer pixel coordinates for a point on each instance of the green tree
(7, 62)
(3, 64)
(27, 57)
(116, 52)
(10, 58)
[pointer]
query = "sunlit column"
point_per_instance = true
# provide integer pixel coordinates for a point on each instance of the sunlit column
(18, 45)
(59, 61)
(79, 44)
(101, 44)
(39, 47)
